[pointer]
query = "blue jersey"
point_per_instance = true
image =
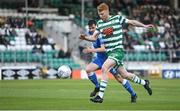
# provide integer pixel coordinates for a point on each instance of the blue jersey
(100, 57)
(97, 44)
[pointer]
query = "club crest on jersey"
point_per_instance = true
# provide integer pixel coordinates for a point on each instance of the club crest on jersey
(108, 31)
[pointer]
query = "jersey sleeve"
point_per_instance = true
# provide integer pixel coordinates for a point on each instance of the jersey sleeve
(100, 39)
(97, 27)
(123, 19)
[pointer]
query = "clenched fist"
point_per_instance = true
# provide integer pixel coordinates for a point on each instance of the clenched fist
(87, 50)
(82, 36)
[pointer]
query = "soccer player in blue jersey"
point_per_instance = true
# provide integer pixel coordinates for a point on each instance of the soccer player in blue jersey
(97, 62)
(111, 28)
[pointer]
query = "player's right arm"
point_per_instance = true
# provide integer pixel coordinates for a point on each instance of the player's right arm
(92, 38)
(139, 24)
(94, 50)
(123, 20)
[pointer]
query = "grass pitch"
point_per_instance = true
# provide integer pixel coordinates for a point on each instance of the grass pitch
(74, 95)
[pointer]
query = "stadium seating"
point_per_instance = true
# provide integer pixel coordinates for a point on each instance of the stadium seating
(46, 59)
(19, 52)
(146, 56)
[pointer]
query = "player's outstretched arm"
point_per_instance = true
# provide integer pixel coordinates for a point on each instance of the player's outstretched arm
(94, 50)
(87, 38)
(139, 24)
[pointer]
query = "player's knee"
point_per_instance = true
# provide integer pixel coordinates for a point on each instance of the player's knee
(104, 69)
(88, 70)
(118, 78)
(124, 75)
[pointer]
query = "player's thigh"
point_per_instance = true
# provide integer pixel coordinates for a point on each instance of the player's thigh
(109, 63)
(91, 67)
(118, 56)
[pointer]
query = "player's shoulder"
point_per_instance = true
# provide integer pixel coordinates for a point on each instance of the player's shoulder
(99, 21)
(115, 16)
(119, 17)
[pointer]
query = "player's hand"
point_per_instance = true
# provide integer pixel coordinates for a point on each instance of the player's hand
(82, 36)
(149, 26)
(86, 50)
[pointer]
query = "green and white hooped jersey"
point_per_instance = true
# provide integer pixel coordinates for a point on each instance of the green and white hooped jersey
(114, 37)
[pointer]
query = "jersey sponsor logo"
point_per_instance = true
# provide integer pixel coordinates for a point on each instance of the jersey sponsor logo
(108, 31)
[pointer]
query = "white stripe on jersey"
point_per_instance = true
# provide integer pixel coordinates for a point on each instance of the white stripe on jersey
(113, 44)
(119, 46)
(117, 26)
(114, 38)
(117, 32)
(122, 19)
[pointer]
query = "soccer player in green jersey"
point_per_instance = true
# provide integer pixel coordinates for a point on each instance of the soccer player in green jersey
(99, 58)
(111, 28)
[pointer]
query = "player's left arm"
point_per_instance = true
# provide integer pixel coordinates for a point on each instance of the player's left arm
(138, 24)
(94, 50)
(92, 38)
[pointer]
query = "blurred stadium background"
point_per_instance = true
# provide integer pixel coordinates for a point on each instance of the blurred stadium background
(37, 36)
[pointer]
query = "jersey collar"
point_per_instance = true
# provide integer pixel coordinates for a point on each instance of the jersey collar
(108, 18)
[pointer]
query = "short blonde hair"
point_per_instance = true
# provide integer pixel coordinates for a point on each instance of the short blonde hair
(102, 7)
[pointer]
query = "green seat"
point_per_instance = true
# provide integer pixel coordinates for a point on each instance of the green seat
(164, 57)
(8, 56)
(139, 56)
(131, 57)
(154, 56)
(22, 56)
(1, 54)
(74, 66)
(67, 60)
(150, 56)
(34, 57)
(47, 55)
(56, 62)
(144, 56)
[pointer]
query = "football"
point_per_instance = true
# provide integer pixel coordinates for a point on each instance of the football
(64, 72)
